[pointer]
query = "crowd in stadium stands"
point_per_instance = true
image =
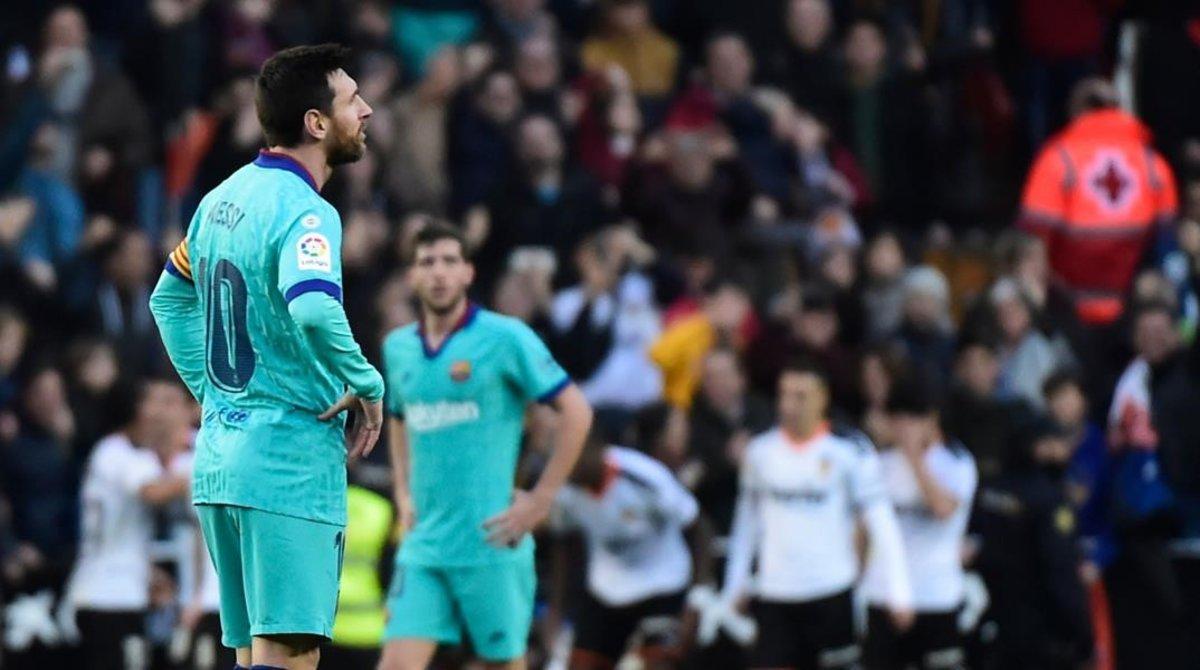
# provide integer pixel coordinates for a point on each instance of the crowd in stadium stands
(999, 199)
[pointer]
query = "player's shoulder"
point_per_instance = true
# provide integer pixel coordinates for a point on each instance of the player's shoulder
(504, 329)
(637, 466)
(400, 339)
(114, 452)
(494, 322)
(850, 442)
(764, 442)
(956, 452)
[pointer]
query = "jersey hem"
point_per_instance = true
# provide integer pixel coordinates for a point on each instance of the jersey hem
(329, 521)
(554, 391)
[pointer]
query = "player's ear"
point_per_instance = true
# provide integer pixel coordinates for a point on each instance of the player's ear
(470, 272)
(315, 124)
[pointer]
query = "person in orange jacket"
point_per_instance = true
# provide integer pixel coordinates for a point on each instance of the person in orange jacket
(1099, 195)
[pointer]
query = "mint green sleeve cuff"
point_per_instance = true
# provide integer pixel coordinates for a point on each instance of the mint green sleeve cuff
(176, 310)
(323, 321)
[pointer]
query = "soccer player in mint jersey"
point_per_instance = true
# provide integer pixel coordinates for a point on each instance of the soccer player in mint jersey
(249, 307)
(459, 383)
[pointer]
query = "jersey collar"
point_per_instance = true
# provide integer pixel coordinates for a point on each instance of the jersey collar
(467, 317)
(802, 444)
(273, 159)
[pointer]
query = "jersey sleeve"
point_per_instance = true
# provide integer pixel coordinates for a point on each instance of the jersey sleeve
(533, 369)
(175, 306)
(1044, 200)
(135, 472)
(393, 400)
(866, 477)
(310, 256)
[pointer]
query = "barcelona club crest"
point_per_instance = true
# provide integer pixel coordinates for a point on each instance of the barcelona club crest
(460, 371)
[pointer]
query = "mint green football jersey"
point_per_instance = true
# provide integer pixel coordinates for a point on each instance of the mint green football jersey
(463, 407)
(260, 239)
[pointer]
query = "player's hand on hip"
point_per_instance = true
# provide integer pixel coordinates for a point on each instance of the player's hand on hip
(366, 422)
(406, 512)
(524, 514)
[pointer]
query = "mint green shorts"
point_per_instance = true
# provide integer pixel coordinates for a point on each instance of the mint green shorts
(276, 574)
(492, 604)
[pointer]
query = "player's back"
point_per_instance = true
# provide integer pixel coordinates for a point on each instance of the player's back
(258, 240)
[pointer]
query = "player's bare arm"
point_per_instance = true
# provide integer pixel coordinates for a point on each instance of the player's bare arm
(398, 450)
(529, 508)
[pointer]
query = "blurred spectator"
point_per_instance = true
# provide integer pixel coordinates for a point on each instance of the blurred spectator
(422, 29)
(1101, 198)
(40, 469)
(1089, 472)
(691, 198)
(92, 372)
(48, 236)
(545, 201)
(511, 22)
(806, 66)
(878, 370)
(629, 40)
(837, 269)
(883, 285)
(121, 309)
(604, 328)
(1028, 556)
(1063, 44)
(829, 177)
(926, 332)
(725, 415)
(237, 136)
(890, 145)
(975, 415)
(681, 349)
(608, 129)
(807, 330)
(1023, 258)
(726, 95)
(103, 130)
(1169, 423)
(538, 69)
(1153, 432)
(14, 335)
(480, 150)
(416, 165)
(1027, 356)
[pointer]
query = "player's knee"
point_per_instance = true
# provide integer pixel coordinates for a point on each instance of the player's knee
(292, 651)
(395, 657)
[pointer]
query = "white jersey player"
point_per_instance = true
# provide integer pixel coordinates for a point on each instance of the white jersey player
(110, 585)
(931, 485)
(804, 489)
(632, 512)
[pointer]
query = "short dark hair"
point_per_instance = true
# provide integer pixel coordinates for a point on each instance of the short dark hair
(912, 396)
(805, 365)
(1059, 380)
(1145, 307)
(292, 82)
(436, 231)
